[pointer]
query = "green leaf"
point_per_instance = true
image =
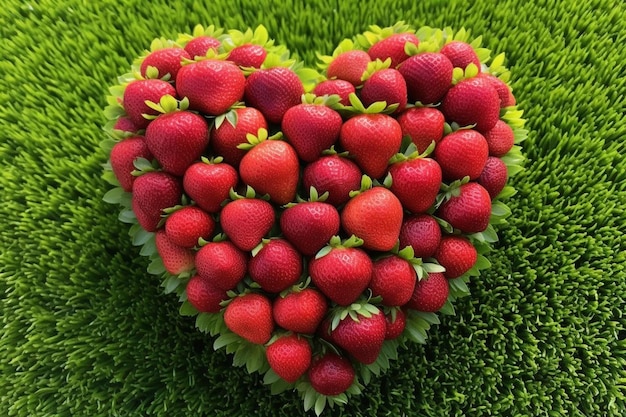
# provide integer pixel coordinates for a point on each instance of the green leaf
(225, 340)
(186, 309)
(114, 196)
(448, 309)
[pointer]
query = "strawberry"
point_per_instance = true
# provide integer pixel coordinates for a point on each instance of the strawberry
(212, 86)
(386, 85)
(349, 66)
(500, 139)
(276, 266)
(138, 92)
(289, 357)
(200, 45)
(248, 55)
(472, 101)
(246, 221)
(374, 215)
(457, 255)
(372, 139)
(208, 183)
(227, 136)
(310, 225)
(461, 54)
(423, 125)
(462, 153)
(177, 139)
(311, 128)
(273, 91)
(185, 226)
(333, 174)
(416, 182)
(422, 233)
(271, 167)
(152, 193)
(393, 279)
(300, 311)
(494, 176)
(176, 259)
(341, 270)
(203, 296)
(250, 316)
(504, 91)
(221, 264)
(342, 88)
(123, 156)
(469, 211)
(392, 47)
(166, 61)
(395, 325)
(431, 293)
(428, 77)
(124, 124)
(362, 338)
(331, 374)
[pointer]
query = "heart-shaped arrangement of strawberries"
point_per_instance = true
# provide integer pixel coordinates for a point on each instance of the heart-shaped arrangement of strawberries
(314, 220)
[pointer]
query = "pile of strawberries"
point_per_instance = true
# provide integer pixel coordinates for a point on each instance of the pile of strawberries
(314, 220)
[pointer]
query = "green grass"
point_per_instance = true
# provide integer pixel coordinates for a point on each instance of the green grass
(87, 332)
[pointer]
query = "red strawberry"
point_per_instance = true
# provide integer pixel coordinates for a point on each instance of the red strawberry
(212, 86)
(250, 316)
(372, 139)
(289, 357)
(177, 139)
(362, 339)
(246, 221)
(123, 155)
(494, 176)
(457, 255)
(469, 211)
(462, 153)
(504, 91)
(428, 77)
(226, 137)
(166, 61)
(335, 175)
(276, 266)
(185, 226)
(374, 215)
(416, 182)
(311, 128)
(386, 85)
(176, 259)
(349, 66)
(124, 124)
(310, 225)
(392, 47)
(221, 264)
(423, 125)
(272, 167)
(152, 193)
(431, 293)
(342, 88)
(300, 311)
(273, 91)
(248, 55)
(473, 101)
(422, 233)
(200, 45)
(331, 374)
(393, 278)
(208, 184)
(342, 273)
(395, 327)
(138, 92)
(203, 296)
(461, 54)
(500, 139)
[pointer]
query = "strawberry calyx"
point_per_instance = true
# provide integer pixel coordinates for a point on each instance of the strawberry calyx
(230, 116)
(220, 237)
(366, 184)
(422, 268)
(167, 104)
(142, 166)
(250, 194)
(374, 67)
(376, 33)
(297, 287)
(335, 242)
(333, 151)
(411, 153)
(357, 106)
(460, 74)
(328, 100)
(343, 46)
(199, 30)
(314, 197)
(450, 190)
(360, 308)
(261, 136)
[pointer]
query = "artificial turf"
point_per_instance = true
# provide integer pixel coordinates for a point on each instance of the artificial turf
(86, 331)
